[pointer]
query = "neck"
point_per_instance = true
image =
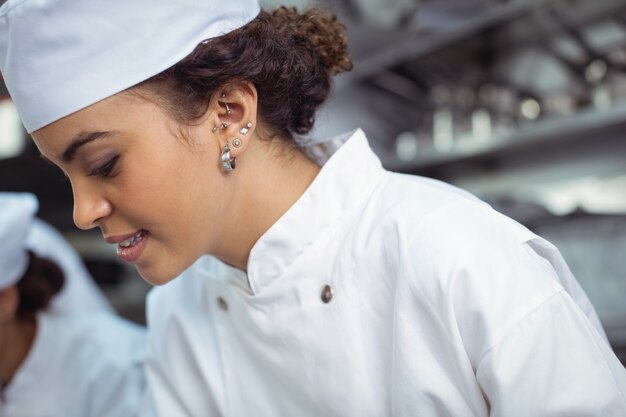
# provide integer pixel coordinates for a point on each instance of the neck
(16, 340)
(264, 190)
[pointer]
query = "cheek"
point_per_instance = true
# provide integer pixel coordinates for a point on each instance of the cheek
(181, 188)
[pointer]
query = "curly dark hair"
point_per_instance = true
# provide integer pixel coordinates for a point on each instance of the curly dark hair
(289, 56)
(41, 281)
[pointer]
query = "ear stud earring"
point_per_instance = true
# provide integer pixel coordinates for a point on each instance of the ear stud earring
(236, 142)
(223, 125)
(244, 130)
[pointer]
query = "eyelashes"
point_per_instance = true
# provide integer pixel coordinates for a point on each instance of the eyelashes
(105, 169)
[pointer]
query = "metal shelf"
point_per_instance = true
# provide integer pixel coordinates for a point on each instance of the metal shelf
(415, 45)
(543, 133)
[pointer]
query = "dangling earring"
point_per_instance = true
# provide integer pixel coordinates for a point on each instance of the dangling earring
(228, 163)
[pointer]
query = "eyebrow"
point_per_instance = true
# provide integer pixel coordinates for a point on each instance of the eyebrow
(81, 139)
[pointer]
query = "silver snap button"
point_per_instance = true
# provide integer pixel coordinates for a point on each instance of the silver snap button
(222, 303)
(327, 293)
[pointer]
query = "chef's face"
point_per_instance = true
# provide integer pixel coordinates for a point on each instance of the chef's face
(151, 191)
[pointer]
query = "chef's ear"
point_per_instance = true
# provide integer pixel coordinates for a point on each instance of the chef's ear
(235, 112)
(9, 302)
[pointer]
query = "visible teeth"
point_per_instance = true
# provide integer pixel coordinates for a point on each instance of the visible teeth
(131, 240)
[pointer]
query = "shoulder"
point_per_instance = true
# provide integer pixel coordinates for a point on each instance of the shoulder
(439, 220)
(469, 235)
(431, 222)
(410, 201)
(424, 215)
(469, 265)
(474, 266)
(465, 240)
(438, 235)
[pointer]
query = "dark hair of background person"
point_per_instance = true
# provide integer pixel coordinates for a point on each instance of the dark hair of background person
(41, 281)
(289, 56)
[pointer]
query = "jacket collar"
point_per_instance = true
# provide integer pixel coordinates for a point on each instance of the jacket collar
(345, 181)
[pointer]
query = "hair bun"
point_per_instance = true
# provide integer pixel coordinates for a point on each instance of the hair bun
(320, 31)
(41, 281)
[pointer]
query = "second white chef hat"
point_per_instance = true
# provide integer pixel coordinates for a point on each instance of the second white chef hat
(16, 215)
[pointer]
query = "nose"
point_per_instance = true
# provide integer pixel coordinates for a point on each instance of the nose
(90, 207)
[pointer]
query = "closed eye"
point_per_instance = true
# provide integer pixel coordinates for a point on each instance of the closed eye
(105, 169)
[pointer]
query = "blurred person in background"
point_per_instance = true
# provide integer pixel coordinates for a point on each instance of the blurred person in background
(288, 286)
(56, 364)
(80, 293)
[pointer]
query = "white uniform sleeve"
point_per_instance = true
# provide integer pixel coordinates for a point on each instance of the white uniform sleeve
(534, 350)
(554, 363)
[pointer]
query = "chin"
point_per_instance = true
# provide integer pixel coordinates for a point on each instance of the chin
(154, 275)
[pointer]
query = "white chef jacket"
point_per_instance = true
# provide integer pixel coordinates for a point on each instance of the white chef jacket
(79, 366)
(80, 292)
(440, 307)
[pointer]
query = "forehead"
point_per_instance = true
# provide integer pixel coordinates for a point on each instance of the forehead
(121, 112)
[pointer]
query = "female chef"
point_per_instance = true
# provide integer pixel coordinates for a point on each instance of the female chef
(290, 288)
(53, 364)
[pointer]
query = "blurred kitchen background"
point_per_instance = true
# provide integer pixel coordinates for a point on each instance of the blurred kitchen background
(522, 102)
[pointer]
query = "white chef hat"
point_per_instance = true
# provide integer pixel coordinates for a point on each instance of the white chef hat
(16, 214)
(60, 56)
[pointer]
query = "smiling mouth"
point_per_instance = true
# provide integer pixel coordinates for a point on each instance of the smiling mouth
(129, 250)
(132, 241)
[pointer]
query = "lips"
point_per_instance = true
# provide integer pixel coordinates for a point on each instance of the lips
(130, 247)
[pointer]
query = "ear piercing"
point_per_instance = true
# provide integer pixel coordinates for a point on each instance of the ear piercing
(228, 111)
(224, 125)
(228, 163)
(244, 130)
